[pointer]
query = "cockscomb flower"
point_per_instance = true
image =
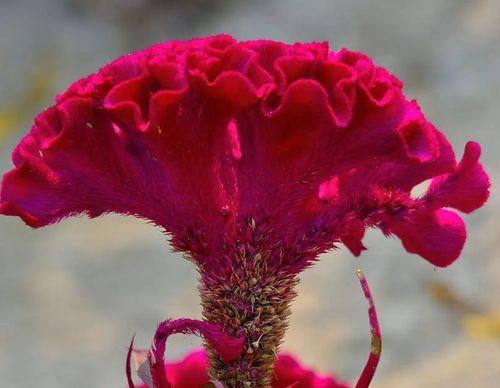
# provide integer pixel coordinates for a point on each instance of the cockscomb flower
(254, 158)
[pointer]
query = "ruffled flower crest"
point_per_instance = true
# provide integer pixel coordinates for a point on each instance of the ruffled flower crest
(202, 137)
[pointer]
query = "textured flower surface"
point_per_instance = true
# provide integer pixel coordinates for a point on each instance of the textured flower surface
(254, 157)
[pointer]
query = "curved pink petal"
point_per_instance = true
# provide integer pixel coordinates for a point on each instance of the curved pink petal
(438, 236)
(290, 373)
(192, 370)
(466, 189)
(227, 347)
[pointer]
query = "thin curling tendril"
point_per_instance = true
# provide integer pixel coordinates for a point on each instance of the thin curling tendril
(376, 336)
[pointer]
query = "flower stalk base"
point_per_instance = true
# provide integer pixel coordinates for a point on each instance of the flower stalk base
(252, 302)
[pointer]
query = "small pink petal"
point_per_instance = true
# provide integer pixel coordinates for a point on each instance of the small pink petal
(467, 189)
(438, 236)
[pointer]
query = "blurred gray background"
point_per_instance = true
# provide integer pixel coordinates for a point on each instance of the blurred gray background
(72, 295)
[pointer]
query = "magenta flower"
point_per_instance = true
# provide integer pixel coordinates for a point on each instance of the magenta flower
(191, 372)
(254, 158)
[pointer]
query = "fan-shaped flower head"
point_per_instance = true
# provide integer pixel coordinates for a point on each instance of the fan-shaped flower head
(255, 157)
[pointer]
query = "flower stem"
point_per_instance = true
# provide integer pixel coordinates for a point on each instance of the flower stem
(252, 302)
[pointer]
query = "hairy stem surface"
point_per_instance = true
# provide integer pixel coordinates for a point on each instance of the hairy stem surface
(253, 302)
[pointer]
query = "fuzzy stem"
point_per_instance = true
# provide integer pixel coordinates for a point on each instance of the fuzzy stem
(251, 302)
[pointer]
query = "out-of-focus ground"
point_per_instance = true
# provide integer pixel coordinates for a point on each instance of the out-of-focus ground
(72, 295)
